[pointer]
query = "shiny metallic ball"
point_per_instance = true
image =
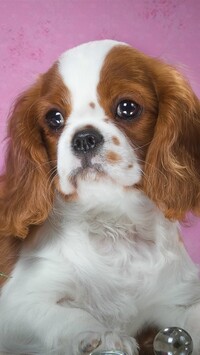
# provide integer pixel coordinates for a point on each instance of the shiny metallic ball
(173, 341)
(108, 352)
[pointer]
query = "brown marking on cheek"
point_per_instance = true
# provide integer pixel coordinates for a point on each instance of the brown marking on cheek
(92, 105)
(54, 95)
(130, 166)
(127, 74)
(115, 140)
(113, 157)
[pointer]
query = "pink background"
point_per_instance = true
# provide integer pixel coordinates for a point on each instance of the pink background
(33, 33)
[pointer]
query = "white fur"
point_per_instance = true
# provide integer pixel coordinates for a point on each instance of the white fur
(80, 69)
(105, 265)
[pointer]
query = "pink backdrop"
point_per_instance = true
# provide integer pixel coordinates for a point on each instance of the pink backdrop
(33, 33)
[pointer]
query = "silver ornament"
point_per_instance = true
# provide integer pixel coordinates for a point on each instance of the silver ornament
(108, 352)
(173, 341)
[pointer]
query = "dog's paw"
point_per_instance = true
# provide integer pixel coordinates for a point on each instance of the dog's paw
(91, 341)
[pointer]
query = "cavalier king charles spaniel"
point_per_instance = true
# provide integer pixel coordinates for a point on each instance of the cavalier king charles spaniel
(103, 160)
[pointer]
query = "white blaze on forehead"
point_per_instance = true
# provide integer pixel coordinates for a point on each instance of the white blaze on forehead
(80, 70)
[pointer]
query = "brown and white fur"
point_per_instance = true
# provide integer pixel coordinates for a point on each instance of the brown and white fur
(90, 203)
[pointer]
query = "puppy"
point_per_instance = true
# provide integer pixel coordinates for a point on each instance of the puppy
(103, 161)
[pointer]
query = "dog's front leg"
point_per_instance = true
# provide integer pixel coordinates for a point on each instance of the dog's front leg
(43, 328)
(46, 328)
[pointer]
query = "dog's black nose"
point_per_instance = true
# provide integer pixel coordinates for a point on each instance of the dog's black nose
(87, 141)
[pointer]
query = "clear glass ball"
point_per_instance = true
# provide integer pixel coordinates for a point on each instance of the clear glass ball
(173, 341)
(108, 352)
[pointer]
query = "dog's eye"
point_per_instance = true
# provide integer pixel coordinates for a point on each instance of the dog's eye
(54, 119)
(128, 110)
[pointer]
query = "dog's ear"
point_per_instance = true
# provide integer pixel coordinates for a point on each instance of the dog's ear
(172, 168)
(25, 191)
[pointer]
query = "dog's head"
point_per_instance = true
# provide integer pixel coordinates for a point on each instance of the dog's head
(103, 113)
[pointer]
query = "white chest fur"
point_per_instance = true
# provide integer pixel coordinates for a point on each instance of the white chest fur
(103, 262)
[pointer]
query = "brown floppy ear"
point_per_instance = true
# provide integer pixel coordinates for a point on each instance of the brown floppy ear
(25, 193)
(172, 166)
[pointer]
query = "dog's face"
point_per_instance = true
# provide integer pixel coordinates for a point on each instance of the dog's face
(105, 122)
(105, 113)
(100, 127)
(104, 126)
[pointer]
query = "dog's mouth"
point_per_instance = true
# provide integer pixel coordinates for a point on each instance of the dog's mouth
(87, 171)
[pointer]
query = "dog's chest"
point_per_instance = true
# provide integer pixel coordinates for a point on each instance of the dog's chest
(111, 265)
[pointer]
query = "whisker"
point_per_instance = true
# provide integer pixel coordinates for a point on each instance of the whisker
(140, 147)
(158, 170)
